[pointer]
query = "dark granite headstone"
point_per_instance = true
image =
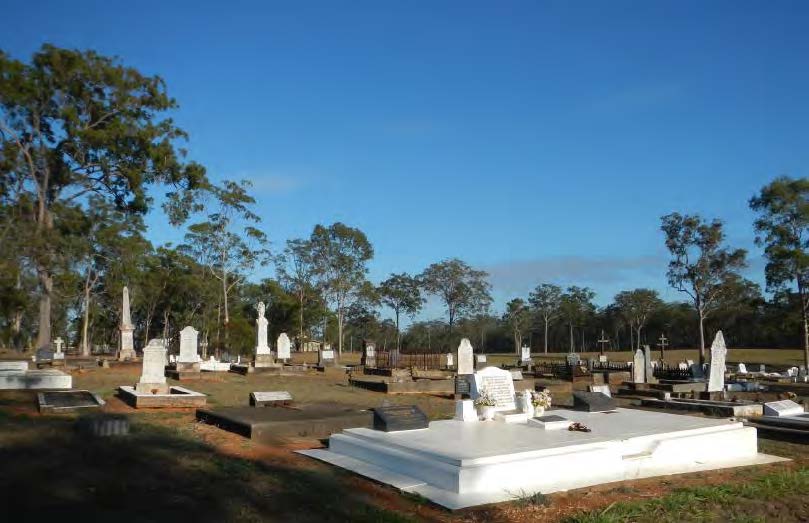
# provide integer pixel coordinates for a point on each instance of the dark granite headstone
(592, 401)
(462, 386)
(44, 354)
(399, 417)
(550, 418)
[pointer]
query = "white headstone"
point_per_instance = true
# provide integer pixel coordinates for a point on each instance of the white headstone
(261, 331)
(480, 358)
(328, 354)
(782, 408)
(650, 364)
(516, 374)
(690, 362)
(498, 384)
(682, 365)
(283, 346)
(716, 381)
(465, 357)
(58, 355)
(278, 395)
(742, 368)
(465, 411)
(525, 354)
(603, 358)
(639, 367)
(450, 359)
(154, 361)
(188, 345)
(761, 368)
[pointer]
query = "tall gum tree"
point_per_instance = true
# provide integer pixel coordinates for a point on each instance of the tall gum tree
(75, 123)
(401, 292)
(636, 306)
(783, 230)
(545, 301)
(701, 267)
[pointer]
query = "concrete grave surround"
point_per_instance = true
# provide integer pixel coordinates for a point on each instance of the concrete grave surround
(716, 381)
(498, 384)
(174, 396)
(465, 411)
(458, 464)
(283, 347)
(17, 365)
(35, 380)
(153, 370)
(782, 408)
(127, 349)
(639, 367)
(465, 357)
(261, 331)
(214, 365)
(188, 346)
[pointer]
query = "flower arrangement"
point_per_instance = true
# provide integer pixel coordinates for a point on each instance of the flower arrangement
(541, 399)
(485, 400)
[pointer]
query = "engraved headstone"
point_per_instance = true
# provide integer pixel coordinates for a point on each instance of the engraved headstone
(399, 417)
(153, 372)
(742, 368)
(368, 353)
(283, 346)
(325, 356)
(716, 381)
(782, 408)
(592, 402)
(639, 367)
(272, 398)
(188, 345)
(450, 360)
(647, 355)
(603, 389)
(498, 384)
(525, 354)
(465, 357)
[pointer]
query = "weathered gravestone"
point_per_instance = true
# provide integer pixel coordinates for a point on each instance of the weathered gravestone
(480, 361)
(716, 381)
(283, 347)
(639, 367)
(742, 368)
(647, 356)
(465, 357)
(525, 355)
(497, 383)
(603, 389)
(368, 353)
(592, 402)
(58, 355)
(450, 360)
(272, 398)
(782, 408)
(399, 417)
(572, 359)
(188, 360)
(127, 350)
(153, 378)
(325, 357)
(263, 356)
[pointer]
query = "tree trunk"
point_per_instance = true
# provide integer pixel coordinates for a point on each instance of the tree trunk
(340, 332)
(300, 331)
(546, 335)
(701, 338)
(398, 335)
(85, 342)
(572, 346)
(44, 334)
(639, 329)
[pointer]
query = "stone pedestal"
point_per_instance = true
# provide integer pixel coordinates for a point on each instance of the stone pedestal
(263, 360)
(127, 351)
(153, 379)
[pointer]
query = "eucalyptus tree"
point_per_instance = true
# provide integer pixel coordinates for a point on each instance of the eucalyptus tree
(636, 306)
(402, 293)
(341, 255)
(518, 317)
(463, 289)
(297, 271)
(228, 243)
(75, 123)
(782, 229)
(546, 300)
(575, 305)
(702, 266)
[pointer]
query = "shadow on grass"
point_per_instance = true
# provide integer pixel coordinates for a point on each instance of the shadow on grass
(158, 474)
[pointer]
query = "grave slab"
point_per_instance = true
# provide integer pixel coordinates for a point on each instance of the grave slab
(43, 379)
(314, 420)
(175, 397)
(458, 465)
(68, 401)
(396, 418)
(782, 408)
(270, 399)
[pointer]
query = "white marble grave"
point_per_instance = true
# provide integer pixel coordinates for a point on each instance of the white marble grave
(188, 346)
(525, 354)
(262, 346)
(154, 364)
(59, 355)
(639, 367)
(457, 464)
(742, 368)
(465, 411)
(716, 381)
(465, 357)
(45, 379)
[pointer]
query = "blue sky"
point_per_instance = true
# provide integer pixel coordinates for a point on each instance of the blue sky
(540, 141)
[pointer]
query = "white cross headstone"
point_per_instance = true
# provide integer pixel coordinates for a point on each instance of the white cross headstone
(465, 357)
(719, 351)
(498, 384)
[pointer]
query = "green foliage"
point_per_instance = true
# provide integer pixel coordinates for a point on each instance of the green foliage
(463, 289)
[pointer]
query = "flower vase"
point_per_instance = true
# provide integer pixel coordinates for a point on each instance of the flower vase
(539, 412)
(488, 413)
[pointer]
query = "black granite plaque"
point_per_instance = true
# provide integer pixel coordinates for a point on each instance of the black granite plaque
(550, 418)
(399, 417)
(592, 402)
(462, 386)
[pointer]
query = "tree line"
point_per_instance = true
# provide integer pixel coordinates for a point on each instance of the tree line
(87, 149)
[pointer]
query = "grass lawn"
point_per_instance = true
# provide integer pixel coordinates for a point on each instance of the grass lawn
(172, 468)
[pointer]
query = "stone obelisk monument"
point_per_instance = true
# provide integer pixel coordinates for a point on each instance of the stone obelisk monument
(127, 350)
